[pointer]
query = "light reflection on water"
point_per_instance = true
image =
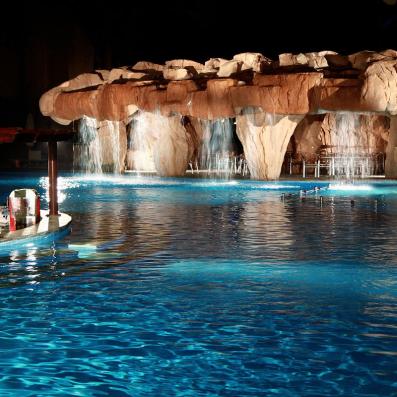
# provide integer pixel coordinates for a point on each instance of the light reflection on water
(201, 287)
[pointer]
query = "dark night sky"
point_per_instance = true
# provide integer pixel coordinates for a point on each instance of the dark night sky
(121, 33)
(201, 29)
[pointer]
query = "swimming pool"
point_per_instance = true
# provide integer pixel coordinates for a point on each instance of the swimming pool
(196, 287)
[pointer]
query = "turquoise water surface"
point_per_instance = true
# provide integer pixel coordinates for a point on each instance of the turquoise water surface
(199, 287)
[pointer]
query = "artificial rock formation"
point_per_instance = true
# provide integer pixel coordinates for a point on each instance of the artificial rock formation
(356, 131)
(308, 138)
(295, 84)
(182, 92)
(160, 143)
(265, 138)
(171, 150)
(332, 132)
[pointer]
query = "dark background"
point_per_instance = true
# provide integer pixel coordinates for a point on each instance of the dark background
(45, 43)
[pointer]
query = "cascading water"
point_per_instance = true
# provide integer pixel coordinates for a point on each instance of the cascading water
(88, 150)
(217, 154)
(140, 150)
(99, 147)
(158, 143)
(113, 151)
(351, 157)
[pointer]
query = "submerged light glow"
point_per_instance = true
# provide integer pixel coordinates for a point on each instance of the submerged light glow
(190, 287)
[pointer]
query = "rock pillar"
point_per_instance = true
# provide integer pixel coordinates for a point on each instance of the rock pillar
(265, 138)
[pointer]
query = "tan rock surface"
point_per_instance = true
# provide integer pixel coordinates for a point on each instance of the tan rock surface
(160, 143)
(361, 60)
(177, 74)
(117, 73)
(288, 93)
(183, 63)
(308, 137)
(379, 89)
(265, 139)
(317, 61)
(229, 68)
(148, 66)
(215, 63)
(253, 60)
(274, 90)
(289, 59)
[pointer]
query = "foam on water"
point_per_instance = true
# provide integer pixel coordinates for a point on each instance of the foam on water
(269, 186)
(350, 187)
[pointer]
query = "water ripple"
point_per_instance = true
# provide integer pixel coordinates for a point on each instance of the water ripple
(179, 287)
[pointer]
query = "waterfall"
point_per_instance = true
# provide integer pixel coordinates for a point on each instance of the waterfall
(140, 145)
(217, 154)
(112, 152)
(100, 146)
(88, 150)
(158, 143)
(351, 157)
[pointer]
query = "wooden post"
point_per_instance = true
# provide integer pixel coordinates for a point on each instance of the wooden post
(52, 176)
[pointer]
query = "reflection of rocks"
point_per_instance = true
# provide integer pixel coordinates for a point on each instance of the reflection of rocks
(272, 216)
(137, 235)
(265, 138)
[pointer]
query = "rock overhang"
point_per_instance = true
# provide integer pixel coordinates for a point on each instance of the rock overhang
(295, 84)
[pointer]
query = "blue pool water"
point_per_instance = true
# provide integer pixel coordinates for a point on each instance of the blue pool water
(194, 287)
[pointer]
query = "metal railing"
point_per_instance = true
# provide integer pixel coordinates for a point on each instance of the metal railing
(350, 166)
(220, 165)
